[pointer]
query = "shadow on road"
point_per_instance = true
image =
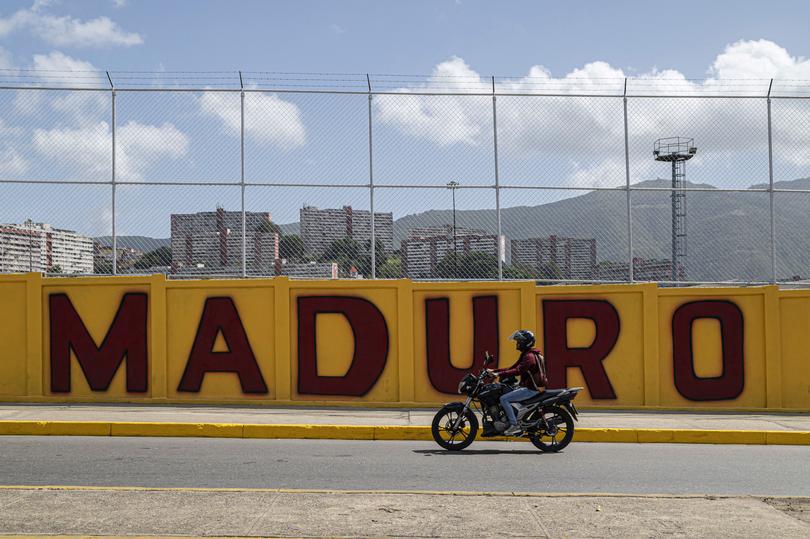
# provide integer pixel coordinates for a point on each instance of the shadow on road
(430, 452)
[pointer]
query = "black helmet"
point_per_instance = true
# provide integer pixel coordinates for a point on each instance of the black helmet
(524, 339)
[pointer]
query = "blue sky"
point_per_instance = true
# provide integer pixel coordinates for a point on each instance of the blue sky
(315, 139)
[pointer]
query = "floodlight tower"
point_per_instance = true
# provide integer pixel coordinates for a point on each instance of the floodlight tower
(677, 150)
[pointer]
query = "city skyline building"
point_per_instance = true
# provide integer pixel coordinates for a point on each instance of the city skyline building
(206, 241)
(39, 247)
(322, 227)
(426, 247)
(573, 258)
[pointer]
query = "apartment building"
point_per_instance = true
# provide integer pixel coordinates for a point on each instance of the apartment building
(320, 228)
(39, 247)
(212, 242)
(573, 258)
(425, 247)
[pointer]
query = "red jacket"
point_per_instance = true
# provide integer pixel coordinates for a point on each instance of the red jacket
(530, 365)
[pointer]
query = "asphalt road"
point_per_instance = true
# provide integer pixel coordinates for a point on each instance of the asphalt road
(332, 464)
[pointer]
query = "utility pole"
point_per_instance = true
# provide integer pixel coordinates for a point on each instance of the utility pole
(453, 185)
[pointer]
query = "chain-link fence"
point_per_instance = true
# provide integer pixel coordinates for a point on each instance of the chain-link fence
(441, 177)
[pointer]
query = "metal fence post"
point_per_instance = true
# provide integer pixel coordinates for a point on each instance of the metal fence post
(112, 212)
(770, 188)
(373, 245)
(242, 171)
(501, 253)
(627, 188)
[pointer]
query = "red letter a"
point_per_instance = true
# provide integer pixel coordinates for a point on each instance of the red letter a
(442, 374)
(126, 337)
(370, 346)
(220, 315)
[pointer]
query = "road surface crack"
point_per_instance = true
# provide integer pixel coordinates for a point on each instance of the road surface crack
(530, 508)
(258, 519)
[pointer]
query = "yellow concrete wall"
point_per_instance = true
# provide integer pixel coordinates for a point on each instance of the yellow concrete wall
(639, 365)
(794, 340)
(625, 364)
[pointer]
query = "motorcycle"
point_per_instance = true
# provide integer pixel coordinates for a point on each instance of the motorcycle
(547, 418)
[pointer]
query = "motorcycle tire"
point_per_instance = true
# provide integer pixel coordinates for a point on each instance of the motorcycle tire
(565, 423)
(444, 419)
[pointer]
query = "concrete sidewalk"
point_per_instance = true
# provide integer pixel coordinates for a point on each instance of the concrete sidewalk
(589, 419)
(288, 513)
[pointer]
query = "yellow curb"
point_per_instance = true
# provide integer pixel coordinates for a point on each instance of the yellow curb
(329, 432)
(656, 436)
(55, 428)
(182, 430)
(719, 437)
(381, 432)
(778, 437)
(629, 436)
(402, 433)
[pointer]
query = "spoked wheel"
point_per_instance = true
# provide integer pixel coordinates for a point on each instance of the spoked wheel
(560, 431)
(454, 439)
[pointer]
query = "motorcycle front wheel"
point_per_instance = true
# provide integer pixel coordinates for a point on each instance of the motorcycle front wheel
(563, 424)
(454, 439)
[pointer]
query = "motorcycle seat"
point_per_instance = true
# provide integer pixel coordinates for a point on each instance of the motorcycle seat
(547, 394)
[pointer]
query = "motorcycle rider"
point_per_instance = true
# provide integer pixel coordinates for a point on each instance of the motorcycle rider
(532, 369)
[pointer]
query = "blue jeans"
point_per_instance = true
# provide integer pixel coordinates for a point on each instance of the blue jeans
(506, 399)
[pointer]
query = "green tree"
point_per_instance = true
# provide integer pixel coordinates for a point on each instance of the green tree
(549, 270)
(517, 271)
(364, 260)
(55, 269)
(269, 226)
(162, 256)
(102, 266)
(391, 268)
(472, 265)
(348, 252)
(291, 247)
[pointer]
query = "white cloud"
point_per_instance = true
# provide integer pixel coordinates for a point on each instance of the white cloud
(6, 60)
(59, 61)
(65, 30)
(268, 118)
(87, 149)
(443, 120)
(119, 3)
(12, 164)
(83, 108)
(761, 59)
(585, 134)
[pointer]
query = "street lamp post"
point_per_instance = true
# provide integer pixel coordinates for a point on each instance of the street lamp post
(30, 246)
(453, 185)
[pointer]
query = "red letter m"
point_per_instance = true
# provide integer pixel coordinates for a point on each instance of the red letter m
(125, 338)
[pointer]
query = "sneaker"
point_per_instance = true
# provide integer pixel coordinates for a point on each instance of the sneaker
(511, 431)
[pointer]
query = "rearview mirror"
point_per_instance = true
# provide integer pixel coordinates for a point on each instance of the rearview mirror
(487, 358)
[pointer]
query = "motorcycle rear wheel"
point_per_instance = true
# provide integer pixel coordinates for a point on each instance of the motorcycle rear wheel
(443, 433)
(561, 418)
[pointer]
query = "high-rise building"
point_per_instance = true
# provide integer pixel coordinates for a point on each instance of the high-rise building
(320, 228)
(212, 242)
(570, 258)
(426, 247)
(40, 247)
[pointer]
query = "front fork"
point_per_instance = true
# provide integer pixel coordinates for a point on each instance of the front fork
(462, 414)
